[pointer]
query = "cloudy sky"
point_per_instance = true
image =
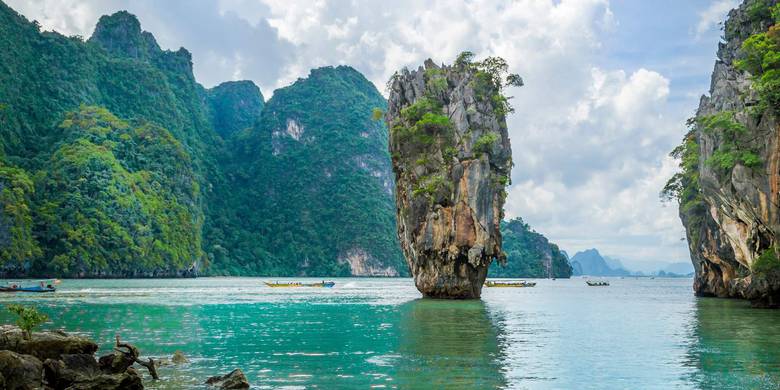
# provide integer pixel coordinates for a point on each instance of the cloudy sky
(609, 85)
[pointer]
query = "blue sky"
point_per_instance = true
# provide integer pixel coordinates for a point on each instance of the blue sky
(664, 35)
(609, 85)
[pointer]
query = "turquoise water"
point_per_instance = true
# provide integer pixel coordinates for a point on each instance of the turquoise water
(636, 333)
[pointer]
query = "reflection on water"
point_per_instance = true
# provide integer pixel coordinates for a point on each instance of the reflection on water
(734, 346)
(448, 343)
(649, 334)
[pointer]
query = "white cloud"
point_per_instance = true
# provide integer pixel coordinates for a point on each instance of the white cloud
(711, 16)
(69, 17)
(590, 176)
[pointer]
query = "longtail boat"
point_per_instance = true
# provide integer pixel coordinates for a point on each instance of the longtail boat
(519, 283)
(47, 285)
(597, 283)
(299, 284)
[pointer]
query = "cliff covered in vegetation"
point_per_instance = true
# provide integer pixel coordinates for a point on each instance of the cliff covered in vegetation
(528, 254)
(316, 189)
(114, 161)
(85, 192)
(452, 159)
(729, 185)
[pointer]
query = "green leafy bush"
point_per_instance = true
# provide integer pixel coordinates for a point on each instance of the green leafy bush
(501, 181)
(414, 112)
(28, 318)
(449, 153)
(377, 114)
(731, 150)
(767, 262)
(490, 78)
(684, 186)
(485, 143)
(436, 81)
(429, 186)
(761, 57)
(434, 123)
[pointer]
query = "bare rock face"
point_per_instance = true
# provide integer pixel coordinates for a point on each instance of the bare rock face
(452, 159)
(729, 190)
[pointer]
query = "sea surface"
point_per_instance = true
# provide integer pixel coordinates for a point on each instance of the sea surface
(379, 333)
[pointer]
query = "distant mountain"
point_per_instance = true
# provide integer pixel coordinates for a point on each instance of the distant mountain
(682, 268)
(590, 262)
(614, 263)
(645, 266)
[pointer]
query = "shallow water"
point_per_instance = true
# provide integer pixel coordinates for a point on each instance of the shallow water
(636, 333)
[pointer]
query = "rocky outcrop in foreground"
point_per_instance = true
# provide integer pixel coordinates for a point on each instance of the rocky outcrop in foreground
(729, 187)
(57, 360)
(452, 159)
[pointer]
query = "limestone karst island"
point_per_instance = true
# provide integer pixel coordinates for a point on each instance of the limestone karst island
(532, 194)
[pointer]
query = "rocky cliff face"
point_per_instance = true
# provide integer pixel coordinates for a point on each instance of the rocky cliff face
(452, 159)
(729, 187)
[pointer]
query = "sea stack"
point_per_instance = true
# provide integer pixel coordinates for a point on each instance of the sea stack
(729, 186)
(452, 159)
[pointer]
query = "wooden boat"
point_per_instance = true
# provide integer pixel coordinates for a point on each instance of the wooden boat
(597, 283)
(519, 283)
(299, 284)
(37, 286)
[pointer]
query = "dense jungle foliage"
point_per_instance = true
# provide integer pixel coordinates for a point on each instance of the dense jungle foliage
(322, 188)
(529, 254)
(114, 161)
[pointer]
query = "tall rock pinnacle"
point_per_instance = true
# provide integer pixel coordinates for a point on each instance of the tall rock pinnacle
(728, 188)
(452, 159)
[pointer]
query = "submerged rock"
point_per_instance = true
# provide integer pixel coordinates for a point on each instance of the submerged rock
(234, 380)
(179, 358)
(452, 159)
